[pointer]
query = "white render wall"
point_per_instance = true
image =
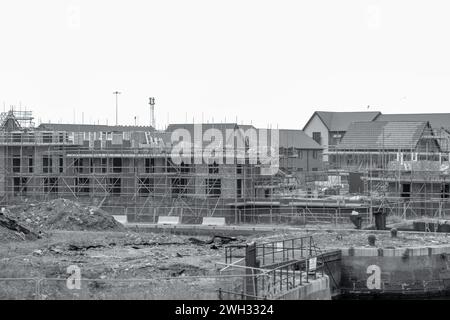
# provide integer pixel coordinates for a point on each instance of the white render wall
(316, 125)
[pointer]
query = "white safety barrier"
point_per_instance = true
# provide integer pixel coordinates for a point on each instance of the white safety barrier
(168, 220)
(121, 219)
(210, 221)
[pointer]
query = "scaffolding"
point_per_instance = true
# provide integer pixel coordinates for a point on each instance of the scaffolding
(142, 181)
(408, 182)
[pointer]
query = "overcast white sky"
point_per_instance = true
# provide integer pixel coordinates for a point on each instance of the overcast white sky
(265, 62)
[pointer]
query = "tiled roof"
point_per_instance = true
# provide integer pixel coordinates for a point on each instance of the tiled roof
(222, 127)
(297, 139)
(383, 135)
(340, 121)
(91, 127)
(437, 120)
(205, 126)
(287, 138)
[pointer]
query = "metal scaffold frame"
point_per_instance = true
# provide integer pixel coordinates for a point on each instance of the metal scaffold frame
(144, 182)
(407, 183)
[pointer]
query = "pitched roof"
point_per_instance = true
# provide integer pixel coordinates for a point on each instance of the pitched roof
(383, 135)
(340, 121)
(205, 126)
(437, 120)
(91, 127)
(297, 139)
(287, 138)
(222, 127)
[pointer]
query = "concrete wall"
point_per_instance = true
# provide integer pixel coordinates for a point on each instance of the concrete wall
(400, 270)
(318, 289)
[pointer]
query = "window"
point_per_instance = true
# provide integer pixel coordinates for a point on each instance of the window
(82, 186)
(47, 137)
(314, 169)
(289, 152)
(16, 185)
(117, 164)
(145, 186)
(17, 137)
(30, 164)
(104, 165)
(445, 190)
(115, 185)
(317, 137)
(61, 164)
(239, 188)
(213, 187)
(239, 169)
(170, 166)
(51, 185)
(213, 168)
(292, 153)
(91, 165)
(406, 190)
(149, 165)
(78, 165)
(178, 186)
(47, 164)
(20, 185)
(267, 193)
(16, 164)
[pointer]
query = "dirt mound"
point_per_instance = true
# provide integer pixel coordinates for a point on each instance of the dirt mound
(63, 214)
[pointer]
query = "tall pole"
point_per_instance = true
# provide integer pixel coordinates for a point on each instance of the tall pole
(117, 105)
(151, 102)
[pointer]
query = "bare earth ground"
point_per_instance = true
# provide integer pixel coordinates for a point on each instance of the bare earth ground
(130, 265)
(123, 264)
(115, 261)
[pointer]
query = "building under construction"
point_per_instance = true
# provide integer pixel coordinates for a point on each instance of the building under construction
(130, 170)
(403, 166)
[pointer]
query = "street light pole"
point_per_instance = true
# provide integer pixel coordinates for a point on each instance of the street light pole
(117, 105)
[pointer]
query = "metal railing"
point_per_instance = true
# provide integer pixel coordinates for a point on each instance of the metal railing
(274, 251)
(37, 137)
(282, 266)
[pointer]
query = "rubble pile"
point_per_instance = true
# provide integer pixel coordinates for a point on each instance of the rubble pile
(10, 230)
(62, 214)
(7, 235)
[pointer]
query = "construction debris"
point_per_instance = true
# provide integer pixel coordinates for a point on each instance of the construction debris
(215, 240)
(182, 269)
(11, 230)
(62, 214)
